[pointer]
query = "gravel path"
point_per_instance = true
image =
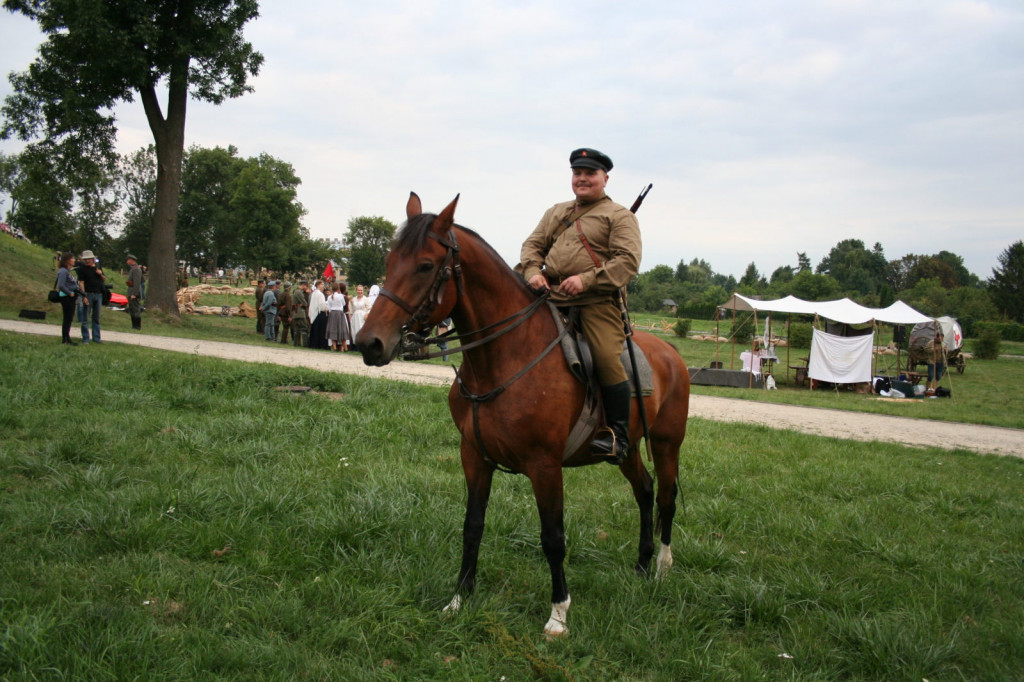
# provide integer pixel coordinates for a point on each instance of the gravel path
(813, 420)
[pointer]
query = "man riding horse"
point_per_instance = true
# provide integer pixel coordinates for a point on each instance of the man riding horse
(585, 251)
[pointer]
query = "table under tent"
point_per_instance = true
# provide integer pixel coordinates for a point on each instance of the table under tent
(839, 354)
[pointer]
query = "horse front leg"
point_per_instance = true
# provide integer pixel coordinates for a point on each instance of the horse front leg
(478, 486)
(549, 494)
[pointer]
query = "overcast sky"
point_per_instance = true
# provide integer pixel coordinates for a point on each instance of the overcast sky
(768, 127)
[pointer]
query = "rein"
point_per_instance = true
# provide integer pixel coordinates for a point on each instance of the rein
(421, 342)
(421, 314)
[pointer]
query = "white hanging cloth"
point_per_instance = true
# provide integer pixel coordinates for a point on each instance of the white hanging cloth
(840, 359)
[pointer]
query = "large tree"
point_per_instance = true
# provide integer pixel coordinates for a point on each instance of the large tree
(854, 267)
(99, 53)
(368, 239)
(208, 231)
(265, 214)
(1007, 282)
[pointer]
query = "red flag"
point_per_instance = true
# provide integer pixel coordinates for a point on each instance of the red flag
(329, 272)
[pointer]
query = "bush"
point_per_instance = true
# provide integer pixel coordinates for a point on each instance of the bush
(1011, 331)
(800, 334)
(682, 327)
(743, 330)
(986, 346)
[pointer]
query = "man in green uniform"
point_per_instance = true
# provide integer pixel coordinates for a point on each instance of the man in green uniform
(284, 310)
(584, 251)
(261, 289)
(300, 322)
(134, 293)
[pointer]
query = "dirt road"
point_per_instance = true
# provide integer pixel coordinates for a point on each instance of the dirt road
(818, 421)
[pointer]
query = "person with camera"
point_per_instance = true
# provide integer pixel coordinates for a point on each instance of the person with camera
(92, 280)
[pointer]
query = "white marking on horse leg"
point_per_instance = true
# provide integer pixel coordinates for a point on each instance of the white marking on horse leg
(664, 561)
(454, 605)
(556, 626)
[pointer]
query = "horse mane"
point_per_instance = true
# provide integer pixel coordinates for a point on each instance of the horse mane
(413, 234)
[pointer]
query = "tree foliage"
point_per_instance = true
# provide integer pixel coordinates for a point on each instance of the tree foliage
(368, 239)
(101, 52)
(856, 269)
(266, 214)
(1006, 285)
(208, 228)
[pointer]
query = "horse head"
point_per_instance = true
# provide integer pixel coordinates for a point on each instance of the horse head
(423, 280)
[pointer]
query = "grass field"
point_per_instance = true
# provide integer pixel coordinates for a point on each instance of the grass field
(987, 393)
(171, 517)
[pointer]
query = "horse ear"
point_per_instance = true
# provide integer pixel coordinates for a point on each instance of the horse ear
(446, 218)
(414, 207)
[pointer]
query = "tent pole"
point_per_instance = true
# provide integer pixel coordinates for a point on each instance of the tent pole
(732, 341)
(754, 357)
(874, 349)
(718, 316)
(789, 343)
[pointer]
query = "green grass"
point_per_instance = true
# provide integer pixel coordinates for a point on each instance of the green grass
(984, 394)
(127, 472)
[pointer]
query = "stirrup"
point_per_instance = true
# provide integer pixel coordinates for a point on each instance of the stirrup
(615, 454)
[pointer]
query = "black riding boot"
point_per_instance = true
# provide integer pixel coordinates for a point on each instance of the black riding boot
(136, 323)
(614, 440)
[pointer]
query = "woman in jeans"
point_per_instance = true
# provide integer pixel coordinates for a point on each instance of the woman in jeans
(67, 285)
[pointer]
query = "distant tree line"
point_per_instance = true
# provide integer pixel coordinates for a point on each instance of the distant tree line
(233, 211)
(936, 284)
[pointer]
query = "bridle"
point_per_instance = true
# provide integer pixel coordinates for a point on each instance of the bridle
(420, 315)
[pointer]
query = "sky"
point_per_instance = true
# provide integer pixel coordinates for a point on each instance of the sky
(767, 127)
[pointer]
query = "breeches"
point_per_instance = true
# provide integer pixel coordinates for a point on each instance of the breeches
(602, 325)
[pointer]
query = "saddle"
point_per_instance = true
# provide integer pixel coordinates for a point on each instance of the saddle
(580, 363)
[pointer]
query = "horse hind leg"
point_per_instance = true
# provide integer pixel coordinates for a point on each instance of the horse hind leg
(643, 491)
(666, 468)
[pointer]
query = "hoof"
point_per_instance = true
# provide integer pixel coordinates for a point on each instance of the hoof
(454, 605)
(664, 562)
(556, 627)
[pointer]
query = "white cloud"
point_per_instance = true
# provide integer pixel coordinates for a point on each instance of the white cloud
(766, 127)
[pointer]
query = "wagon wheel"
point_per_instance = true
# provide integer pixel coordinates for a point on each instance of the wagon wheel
(961, 364)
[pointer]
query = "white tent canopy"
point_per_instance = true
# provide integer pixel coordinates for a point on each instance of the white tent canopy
(843, 310)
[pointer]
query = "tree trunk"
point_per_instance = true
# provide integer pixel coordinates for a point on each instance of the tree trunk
(169, 135)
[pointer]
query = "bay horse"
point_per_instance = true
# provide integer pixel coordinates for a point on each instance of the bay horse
(514, 401)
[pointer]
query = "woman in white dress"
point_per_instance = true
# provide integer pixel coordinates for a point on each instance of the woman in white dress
(360, 307)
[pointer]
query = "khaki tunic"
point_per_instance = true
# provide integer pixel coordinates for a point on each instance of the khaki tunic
(555, 250)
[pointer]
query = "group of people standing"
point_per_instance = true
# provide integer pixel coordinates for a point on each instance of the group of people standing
(315, 318)
(82, 288)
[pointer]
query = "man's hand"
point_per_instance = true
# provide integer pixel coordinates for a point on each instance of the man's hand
(572, 286)
(539, 281)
